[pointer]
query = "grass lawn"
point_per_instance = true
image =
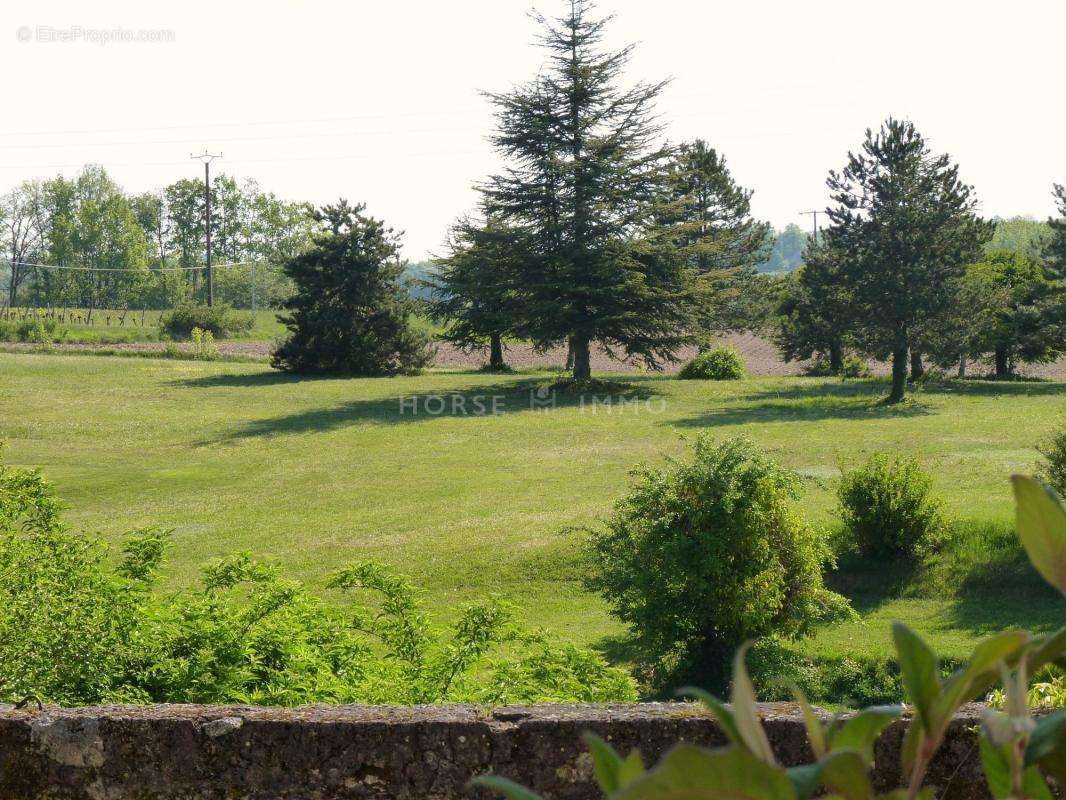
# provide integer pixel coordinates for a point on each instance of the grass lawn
(317, 473)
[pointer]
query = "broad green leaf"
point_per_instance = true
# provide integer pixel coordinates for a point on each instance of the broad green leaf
(606, 763)
(720, 711)
(918, 664)
(861, 731)
(688, 772)
(508, 788)
(745, 711)
(632, 768)
(1049, 649)
(912, 742)
(997, 768)
(815, 729)
(806, 779)
(843, 771)
(996, 762)
(1047, 745)
(1042, 529)
(981, 672)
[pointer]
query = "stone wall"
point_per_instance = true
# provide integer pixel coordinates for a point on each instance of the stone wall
(120, 752)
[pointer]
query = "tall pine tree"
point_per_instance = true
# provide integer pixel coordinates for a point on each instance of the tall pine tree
(585, 174)
(905, 227)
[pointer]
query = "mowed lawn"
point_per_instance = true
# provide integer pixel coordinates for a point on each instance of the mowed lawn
(318, 473)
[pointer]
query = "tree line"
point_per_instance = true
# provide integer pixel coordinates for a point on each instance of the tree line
(599, 231)
(84, 242)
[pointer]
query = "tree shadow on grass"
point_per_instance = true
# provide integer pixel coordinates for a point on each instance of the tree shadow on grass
(526, 395)
(1039, 610)
(243, 380)
(809, 402)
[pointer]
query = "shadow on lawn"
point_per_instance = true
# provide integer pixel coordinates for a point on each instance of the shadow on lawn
(809, 402)
(528, 395)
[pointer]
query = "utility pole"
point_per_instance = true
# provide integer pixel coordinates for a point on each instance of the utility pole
(814, 215)
(207, 158)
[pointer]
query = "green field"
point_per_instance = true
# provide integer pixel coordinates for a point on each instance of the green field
(316, 473)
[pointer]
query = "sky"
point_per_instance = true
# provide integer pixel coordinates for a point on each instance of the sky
(379, 102)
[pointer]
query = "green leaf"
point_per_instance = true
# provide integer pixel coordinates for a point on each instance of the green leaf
(997, 768)
(719, 710)
(815, 729)
(844, 772)
(631, 769)
(996, 763)
(1047, 745)
(861, 731)
(981, 672)
(1042, 529)
(918, 664)
(912, 742)
(688, 772)
(806, 779)
(745, 711)
(606, 763)
(508, 788)
(1048, 649)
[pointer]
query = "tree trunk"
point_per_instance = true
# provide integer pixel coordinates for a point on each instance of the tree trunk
(496, 353)
(582, 359)
(899, 374)
(962, 366)
(570, 353)
(836, 358)
(917, 367)
(1002, 363)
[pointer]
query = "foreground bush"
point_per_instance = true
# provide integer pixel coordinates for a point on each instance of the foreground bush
(221, 321)
(1020, 754)
(1053, 464)
(888, 508)
(707, 553)
(75, 630)
(719, 364)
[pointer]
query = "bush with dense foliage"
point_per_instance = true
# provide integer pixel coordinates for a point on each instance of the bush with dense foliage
(350, 314)
(718, 364)
(1019, 753)
(220, 320)
(1053, 463)
(706, 553)
(74, 630)
(888, 508)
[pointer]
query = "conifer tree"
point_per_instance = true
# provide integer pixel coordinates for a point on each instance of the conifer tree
(815, 313)
(350, 314)
(584, 175)
(1056, 246)
(710, 215)
(475, 290)
(905, 227)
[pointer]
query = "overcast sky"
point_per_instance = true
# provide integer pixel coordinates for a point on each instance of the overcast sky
(378, 102)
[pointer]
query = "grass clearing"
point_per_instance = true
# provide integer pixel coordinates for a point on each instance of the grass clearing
(317, 473)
